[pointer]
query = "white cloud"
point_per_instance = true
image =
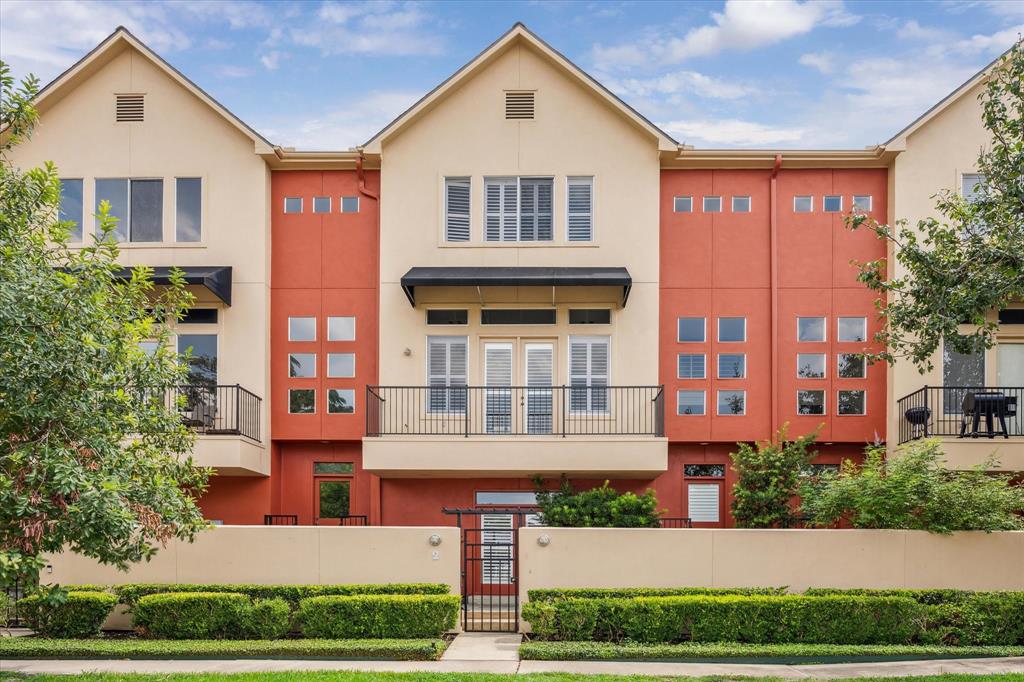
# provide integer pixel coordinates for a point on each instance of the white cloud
(912, 30)
(232, 71)
(824, 62)
(352, 123)
(617, 57)
(992, 43)
(271, 60)
(681, 82)
(383, 28)
(731, 133)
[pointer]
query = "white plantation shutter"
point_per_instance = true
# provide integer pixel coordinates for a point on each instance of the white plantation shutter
(496, 538)
(702, 502)
(588, 373)
(580, 199)
(539, 378)
(535, 222)
(498, 377)
(456, 216)
(446, 368)
(501, 199)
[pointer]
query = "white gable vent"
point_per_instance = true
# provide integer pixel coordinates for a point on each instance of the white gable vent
(130, 108)
(519, 105)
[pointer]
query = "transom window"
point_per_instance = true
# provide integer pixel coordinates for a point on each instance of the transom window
(704, 470)
(810, 329)
(590, 316)
(682, 204)
(712, 204)
(517, 316)
(447, 317)
(518, 209)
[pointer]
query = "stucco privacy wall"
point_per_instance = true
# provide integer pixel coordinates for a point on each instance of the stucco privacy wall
(797, 559)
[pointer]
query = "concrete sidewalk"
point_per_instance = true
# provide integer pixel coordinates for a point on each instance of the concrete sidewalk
(975, 666)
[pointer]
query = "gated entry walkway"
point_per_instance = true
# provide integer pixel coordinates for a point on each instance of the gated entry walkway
(490, 566)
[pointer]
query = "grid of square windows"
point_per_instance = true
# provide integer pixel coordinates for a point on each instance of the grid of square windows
(849, 365)
(322, 204)
(303, 365)
(738, 203)
(832, 203)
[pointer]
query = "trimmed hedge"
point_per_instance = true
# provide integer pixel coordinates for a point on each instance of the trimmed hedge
(378, 616)
(931, 597)
(130, 593)
(80, 615)
(631, 592)
(750, 619)
(380, 649)
(211, 615)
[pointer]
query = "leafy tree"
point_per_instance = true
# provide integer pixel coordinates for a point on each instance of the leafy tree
(913, 491)
(960, 268)
(769, 475)
(602, 507)
(92, 458)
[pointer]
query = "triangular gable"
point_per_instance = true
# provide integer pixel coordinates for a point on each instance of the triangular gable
(113, 45)
(517, 33)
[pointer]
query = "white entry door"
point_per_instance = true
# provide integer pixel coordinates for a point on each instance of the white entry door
(540, 359)
(498, 395)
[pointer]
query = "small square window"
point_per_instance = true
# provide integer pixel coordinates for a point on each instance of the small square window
(341, 365)
(852, 366)
(803, 204)
(810, 365)
(341, 401)
(302, 329)
(832, 203)
(682, 204)
(732, 403)
(301, 401)
(861, 202)
(732, 329)
(852, 329)
(691, 330)
(852, 403)
(321, 204)
(293, 205)
(341, 329)
(302, 365)
(810, 329)
(712, 204)
(810, 402)
(690, 403)
(732, 365)
(741, 204)
(691, 366)
(350, 204)
(970, 186)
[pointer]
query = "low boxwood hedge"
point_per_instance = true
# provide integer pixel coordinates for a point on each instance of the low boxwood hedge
(630, 592)
(78, 614)
(130, 593)
(373, 616)
(211, 615)
(752, 619)
(931, 597)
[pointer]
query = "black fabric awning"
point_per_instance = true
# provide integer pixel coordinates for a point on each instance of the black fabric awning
(216, 278)
(515, 277)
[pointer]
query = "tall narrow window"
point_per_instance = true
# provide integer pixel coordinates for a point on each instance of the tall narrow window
(588, 373)
(580, 221)
(446, 373)
(114, 191)
(456, 209)
(71, 207)
(501, 199)
(535, 218)
(188, 205)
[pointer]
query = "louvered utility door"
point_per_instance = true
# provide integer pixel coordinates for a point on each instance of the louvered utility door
(539, 379)
(498, 379)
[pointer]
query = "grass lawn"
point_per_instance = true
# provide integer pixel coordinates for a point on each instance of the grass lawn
(467, 677)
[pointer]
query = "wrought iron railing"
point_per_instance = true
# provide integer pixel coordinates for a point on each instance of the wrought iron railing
(280, 519)
(675, 522)
(351, 520)
(515, 411)
(961, 411)
(214, 409)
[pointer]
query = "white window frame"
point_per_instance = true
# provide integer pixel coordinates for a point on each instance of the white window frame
(750, 203)
(300, 388)
(704, 374)
(341, 203)
(803, 196)
(302, 317)
(825, 197)
(570, 180)
(864, 329)
(315, 363)
(824, 367)
(852, 390)
(341, 317)
(824, 328)
(519, 208)
(448, 340)
(718, 402)
(824, 401)
(703, 402)
(964, 176)
(327, 369)
(704, 203)
(330, 205)
(302, 206)
(590, 339)
(870, 198)
(863, 364)
(675, 204)
(704, 323)
(732, 317)
(340, 388)
(458, 180)
(718, 367)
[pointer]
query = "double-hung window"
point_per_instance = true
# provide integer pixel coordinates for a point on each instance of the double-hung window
(446, 373)
(137, 204)
(580, 200)
(588, 373)
(456, 209)
(518, 209)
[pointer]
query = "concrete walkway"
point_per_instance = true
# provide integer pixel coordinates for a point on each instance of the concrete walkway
(483, 646)
(824, 672)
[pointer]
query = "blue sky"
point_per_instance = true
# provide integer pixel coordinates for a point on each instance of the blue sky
(769, 74)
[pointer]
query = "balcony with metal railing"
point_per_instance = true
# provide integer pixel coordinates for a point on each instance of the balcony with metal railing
(515, 430)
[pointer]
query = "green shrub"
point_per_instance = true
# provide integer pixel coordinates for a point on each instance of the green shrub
(378, 616)
(996, 619)
(602, 507)
(927, 596)
(629, 592)
(77, 614)
(193, 615)
(753, 619)
(130, 593)
(768, 477)
(267, 619)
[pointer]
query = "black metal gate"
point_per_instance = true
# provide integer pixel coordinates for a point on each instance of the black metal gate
(490, 566)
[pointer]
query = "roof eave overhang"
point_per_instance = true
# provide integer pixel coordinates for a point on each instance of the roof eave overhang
(688, 157)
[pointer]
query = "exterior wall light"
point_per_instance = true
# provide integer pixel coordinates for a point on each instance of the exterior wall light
(435, 540)
(544, 540)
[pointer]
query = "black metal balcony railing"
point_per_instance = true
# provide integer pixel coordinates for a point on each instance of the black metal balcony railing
(961, 411)
(515, 411)
(215, 410)
(350, 520)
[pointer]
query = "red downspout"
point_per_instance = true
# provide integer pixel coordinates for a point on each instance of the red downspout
(375, 501)
(774, 221)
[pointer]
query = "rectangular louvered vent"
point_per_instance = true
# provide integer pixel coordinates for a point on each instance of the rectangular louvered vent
(519, 106)
(130, 108)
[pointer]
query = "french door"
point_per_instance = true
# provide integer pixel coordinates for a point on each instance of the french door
(498, 380)
(540, 362)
